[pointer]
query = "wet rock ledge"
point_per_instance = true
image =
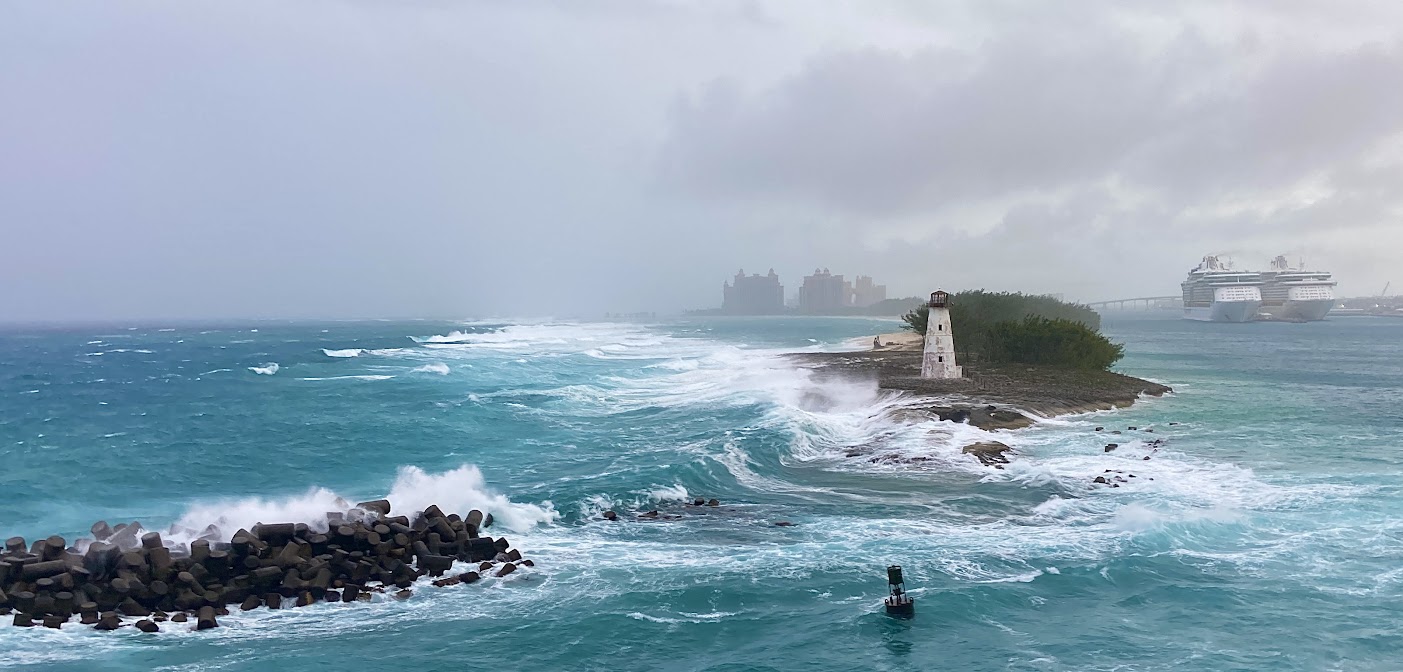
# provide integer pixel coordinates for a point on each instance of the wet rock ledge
(1037, 390)
(128, 571)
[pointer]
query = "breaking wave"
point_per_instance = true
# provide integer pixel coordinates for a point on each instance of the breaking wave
(267, 369)
(413, 490)
(360, 377)
(434, 367)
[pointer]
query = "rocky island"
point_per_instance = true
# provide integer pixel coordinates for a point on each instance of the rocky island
(1032, 357)
(989, 396)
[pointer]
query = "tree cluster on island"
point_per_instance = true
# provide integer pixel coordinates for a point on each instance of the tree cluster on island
(1012, 327)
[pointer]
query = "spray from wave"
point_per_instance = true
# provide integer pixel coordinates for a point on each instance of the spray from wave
(460, 490)
(267, 369)
(414, 489)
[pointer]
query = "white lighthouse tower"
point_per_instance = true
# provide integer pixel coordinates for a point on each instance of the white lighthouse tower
(939, 358)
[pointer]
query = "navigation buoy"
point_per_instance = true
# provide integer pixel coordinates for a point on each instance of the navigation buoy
(899, 604)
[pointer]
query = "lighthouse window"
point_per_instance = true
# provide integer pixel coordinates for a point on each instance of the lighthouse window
(940, 327)
(939, 359)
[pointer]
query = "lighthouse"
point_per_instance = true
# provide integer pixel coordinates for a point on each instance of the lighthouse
(939, 358)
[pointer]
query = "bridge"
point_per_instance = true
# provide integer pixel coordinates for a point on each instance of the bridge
(1140, 302)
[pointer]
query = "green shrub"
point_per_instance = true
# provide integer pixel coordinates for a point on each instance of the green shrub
(1016, 327)
(1038, 340)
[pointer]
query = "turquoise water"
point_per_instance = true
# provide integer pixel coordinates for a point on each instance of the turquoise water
(1269, 538)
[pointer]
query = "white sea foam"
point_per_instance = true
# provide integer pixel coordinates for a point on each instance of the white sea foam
(674, 493)
(450, 337)
(456, 491)
(433, 367)
(267, 369)
(678, 365)
(358, 377)
(349, 352)
(230, 516)
(461, 490)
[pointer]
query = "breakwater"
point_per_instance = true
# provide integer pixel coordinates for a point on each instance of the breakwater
(126, 571)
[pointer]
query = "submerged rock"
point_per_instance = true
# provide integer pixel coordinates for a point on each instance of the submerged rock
(989, 453)
(987, 418)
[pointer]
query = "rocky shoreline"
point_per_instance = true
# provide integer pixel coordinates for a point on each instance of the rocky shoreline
(990, 397)
(127, 571)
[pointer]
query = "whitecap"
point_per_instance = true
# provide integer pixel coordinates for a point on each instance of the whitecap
(361, 377)
(458, 490)
(434, 367)
(267, 369)
(461, 490)
(676, 493)
(349, 352)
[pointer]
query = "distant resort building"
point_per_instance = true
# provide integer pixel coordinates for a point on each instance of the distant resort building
(753, 294)
(823, 292)
(866, 292)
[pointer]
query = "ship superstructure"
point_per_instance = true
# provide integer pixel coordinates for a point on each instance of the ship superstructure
(1296, 294)
(1214, 292)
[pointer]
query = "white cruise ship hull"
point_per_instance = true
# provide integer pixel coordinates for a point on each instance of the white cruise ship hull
(1224, 311)
(1312, 310)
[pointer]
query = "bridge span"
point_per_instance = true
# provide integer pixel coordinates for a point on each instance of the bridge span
(1140, 303)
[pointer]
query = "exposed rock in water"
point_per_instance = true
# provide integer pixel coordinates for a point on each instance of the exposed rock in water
(986, 417)
(989, 453)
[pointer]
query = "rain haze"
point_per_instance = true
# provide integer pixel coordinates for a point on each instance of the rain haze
(371, 159)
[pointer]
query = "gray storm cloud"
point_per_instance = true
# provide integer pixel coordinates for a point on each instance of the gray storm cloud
(343, 159)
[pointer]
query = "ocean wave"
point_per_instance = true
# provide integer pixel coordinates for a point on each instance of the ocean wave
(267, 369)
(686, 617)
(433, 367)
(674, 493)
(451, 337)
(463, 489)
(677, 365)
(357, 377)
(349, 352)
(458, 491)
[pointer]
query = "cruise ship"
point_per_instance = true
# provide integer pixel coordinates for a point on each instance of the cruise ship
(1295, 294)
(1214, 292)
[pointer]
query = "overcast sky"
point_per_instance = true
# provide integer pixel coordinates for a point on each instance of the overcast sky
(431, 158)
